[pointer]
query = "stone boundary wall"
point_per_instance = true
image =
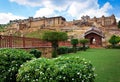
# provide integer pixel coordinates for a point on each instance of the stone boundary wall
(46, 51)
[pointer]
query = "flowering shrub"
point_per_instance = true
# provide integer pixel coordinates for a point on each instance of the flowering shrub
(61, 69)
(10, 61)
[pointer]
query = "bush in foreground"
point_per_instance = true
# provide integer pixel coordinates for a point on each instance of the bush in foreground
(70, 69)
(10, 61)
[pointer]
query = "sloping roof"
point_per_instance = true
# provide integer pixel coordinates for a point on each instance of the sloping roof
(94, 30)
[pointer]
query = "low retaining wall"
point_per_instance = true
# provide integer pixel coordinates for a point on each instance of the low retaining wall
(46, 51)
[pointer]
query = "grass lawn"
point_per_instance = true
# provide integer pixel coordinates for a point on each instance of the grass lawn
(105, 61)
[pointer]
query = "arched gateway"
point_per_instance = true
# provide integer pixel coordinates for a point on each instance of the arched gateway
(95, 36)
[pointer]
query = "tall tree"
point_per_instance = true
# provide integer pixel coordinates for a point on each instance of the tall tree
(54, 38)
(74, 42)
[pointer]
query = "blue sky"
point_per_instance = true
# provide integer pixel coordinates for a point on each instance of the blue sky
(70, 9)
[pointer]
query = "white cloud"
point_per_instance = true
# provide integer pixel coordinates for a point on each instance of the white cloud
(118, 19)
(54, 4)
(59, 6)
(6, 17)
(71, 8)
(78, 9)
(44, 12)
(32, 3)
(74, 8)
(49, 9)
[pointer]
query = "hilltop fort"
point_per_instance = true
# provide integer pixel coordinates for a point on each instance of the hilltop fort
(96, 29)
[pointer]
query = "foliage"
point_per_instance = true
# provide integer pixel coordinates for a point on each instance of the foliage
(74, 42)
(83, 42)
(54, 53)
(36, 53)
(64, 50)
(81, 48)
(119, 24)
(112, 47)
(2, 27)
(116, 47)
(69, 69)
(54, 38)
(10, 61)
(114, 40)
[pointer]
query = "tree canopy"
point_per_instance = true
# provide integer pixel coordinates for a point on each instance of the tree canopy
(83, 42)
(54, 38)
(114, 40)
(74, 42)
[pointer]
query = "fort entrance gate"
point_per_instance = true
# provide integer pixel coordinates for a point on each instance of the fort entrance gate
(95, 36)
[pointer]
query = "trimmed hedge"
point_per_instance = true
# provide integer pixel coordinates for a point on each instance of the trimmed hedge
(61, 69)
(64, 50)
(36, 53)
(82, 48)
(112, 47)
(10, 61)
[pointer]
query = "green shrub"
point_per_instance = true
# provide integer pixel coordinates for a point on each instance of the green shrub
(54, 53)
(74, 69)
(54, 38)
(74, 42)
(64, 50)
(112, 47)
(84, 42)
(116, 47)
(69, 69)
(70, 50)
(81, 48)
(36, 53)
(10, 61)
(114, 40)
